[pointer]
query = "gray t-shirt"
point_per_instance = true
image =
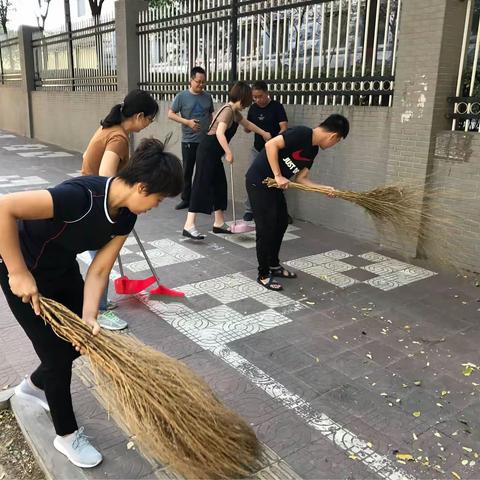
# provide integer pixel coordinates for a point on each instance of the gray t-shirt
(191, 106)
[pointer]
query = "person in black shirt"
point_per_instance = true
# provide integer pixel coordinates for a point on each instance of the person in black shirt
(270, 116)
(42, 233)
(290, 154)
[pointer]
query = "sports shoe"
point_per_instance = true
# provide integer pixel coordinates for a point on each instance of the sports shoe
(109, 321)
(77, 448)
(26, 389)
(248, 216)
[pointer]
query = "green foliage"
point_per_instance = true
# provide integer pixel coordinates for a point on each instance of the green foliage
(161, 3)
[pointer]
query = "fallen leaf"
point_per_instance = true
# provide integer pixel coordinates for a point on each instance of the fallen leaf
(472, 463)
(467, 449)
(404, 456)
(437, 434)
(417, 383)
(310, 303)
(416, 414)
(383, 394)
(130, 445)
(335, 337)
(353, 457)
(468, 370)
(414, 436)
(464, 462)
(456, 475)
(444, 392)
(439, 405)
(369, 355)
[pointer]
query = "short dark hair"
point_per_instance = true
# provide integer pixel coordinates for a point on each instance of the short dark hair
(336, 123)
(136, 101)
(160, 171)
(260, 85)
(241, 91)
(195, 70)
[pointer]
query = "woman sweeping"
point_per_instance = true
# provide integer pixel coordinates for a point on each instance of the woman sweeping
(107, 153)
(209, 190)
(42, 233)
(288, 154)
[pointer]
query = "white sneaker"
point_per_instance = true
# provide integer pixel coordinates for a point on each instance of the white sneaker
(77, 448)
(26, 389)
(110, 321)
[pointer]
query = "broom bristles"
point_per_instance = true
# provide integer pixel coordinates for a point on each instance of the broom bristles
(173, 414)
(406, 212)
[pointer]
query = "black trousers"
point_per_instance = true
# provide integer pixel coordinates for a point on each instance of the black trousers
(269, 209)
(209, 189)
(189, 155)
(54, 373)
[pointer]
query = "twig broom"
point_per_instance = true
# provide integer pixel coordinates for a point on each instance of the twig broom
(392, 204)
(173, 414)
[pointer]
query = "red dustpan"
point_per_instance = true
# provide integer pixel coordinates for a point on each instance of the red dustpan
(126, 286)
(239, 226)
(160, 289)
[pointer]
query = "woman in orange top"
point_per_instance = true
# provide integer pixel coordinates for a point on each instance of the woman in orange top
(108, 152)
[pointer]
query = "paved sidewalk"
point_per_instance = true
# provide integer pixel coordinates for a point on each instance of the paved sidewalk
(358, 360)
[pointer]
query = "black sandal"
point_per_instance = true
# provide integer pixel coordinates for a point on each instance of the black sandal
(282, 272)
(223, 229)
(194, 234)
(272, 284)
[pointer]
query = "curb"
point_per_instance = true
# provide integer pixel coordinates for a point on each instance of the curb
(5, 396)
(37, 428)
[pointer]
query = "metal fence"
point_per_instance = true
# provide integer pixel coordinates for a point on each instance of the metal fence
(466, 103)
(10, 68)
(81, 60)
(316, 52)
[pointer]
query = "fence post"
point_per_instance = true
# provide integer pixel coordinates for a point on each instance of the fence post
(429, 46)
(28, 73)
(234, 43)
(128, 57)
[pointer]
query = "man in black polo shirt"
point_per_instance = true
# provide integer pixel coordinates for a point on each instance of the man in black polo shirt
(270, 116)
(290, 154)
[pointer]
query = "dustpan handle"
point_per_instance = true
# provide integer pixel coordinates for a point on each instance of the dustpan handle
(146, 256)
(233, 193)
(120, 266)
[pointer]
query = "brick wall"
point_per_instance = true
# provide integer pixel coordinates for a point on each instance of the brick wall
(358, 163)
(455, 182)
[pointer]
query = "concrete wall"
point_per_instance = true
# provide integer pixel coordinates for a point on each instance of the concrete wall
(69, 119)
(13, 116)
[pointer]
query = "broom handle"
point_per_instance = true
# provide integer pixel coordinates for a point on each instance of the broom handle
(233, 193)
(120, 266)
(146, 256)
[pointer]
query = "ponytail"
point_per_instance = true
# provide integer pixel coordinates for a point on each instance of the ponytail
(137, 101)
(115, 117)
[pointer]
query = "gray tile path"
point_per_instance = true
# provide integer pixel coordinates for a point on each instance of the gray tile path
(357, 360)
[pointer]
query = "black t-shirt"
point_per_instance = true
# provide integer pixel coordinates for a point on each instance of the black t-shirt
(268, 119)
(298, 153)
(80, 222)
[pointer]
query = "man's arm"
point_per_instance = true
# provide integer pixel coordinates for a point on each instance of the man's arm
(195, 126)
(302, 177)
(272, 147)
(283, 126)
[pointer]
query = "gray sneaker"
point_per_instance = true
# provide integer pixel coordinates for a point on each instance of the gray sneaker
(78, 449)
(26, 389)
(110, 321)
